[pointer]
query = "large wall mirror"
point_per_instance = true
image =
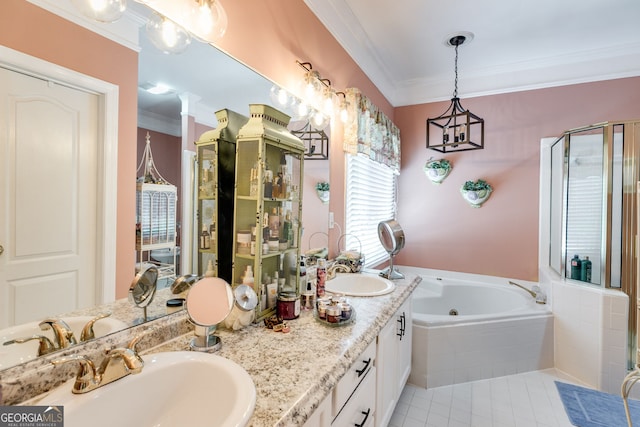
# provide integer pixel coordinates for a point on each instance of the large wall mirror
(205, 80)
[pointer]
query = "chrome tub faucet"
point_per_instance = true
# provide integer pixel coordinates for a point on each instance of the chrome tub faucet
(537, 293)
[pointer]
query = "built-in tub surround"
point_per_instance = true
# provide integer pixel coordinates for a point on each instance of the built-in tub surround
(495, 329)
(590, 332)
(293, 372)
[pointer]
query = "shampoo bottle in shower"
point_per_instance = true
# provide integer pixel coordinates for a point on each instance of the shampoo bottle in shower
(576, 266)
(585, 270)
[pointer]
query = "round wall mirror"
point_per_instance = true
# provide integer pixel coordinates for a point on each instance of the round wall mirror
(143, 288)
(392, 239)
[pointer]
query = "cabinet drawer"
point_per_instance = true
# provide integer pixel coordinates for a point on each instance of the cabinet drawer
(361, 407)
(360, 369)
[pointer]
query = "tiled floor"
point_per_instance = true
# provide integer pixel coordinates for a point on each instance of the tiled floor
(522, 400)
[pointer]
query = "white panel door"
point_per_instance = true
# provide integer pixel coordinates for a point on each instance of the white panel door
(48, 182)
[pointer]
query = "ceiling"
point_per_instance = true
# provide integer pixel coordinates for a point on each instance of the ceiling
(517, 44)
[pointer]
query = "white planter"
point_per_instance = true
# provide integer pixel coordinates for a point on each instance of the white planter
(436, 175)
(476, 198)
(323, 195)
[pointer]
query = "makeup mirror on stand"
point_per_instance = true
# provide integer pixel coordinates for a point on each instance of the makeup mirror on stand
(143, 288)
(392, 240)
(209, 302)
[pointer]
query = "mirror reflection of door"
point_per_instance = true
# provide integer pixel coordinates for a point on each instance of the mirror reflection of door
(48, 184)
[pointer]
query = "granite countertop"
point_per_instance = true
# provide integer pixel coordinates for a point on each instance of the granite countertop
(293, 372)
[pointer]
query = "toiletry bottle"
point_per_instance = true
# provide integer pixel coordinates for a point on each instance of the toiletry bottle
(576, 266)
(268, 184)
(295, 226)
(274, 223)
(253, 181)
(205, 238)
(212, 232)
(287, 231)
(210, 271)
(252, 248)
(585, 270)
(248, 279)
(322, 277)
(302, 276)
(265, 227)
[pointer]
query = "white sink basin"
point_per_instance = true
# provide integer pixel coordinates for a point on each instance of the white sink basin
(179, 389)
(14, 354)
(360, 285)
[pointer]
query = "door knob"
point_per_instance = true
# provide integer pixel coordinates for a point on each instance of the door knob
(1, 249)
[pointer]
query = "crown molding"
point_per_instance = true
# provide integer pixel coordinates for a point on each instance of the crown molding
(124, 31)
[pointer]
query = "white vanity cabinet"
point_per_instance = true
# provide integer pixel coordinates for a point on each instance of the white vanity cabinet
(352, 402)
(393, 362)
(354, 397)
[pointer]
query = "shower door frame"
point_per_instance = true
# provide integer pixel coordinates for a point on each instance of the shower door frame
(629, 210)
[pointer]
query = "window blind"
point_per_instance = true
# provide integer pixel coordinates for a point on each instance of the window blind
(370, 198)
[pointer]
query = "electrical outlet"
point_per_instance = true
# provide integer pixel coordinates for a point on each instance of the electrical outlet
(331, 223)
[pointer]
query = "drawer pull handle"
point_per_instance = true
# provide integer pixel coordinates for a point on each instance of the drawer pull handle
(364, 368)
(366, 416)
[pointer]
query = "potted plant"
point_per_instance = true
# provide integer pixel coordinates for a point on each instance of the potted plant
(322, 189)
(437, 170)
(476, 192)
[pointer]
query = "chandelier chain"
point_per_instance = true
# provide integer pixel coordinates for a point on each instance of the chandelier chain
(455, 84)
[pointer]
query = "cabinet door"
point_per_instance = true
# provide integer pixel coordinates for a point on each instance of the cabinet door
(404, 345)
(360, 410)
(386, 383)
(321, 417)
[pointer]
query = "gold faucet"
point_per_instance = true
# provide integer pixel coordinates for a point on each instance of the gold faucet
(333, 269)
(87, 331)
(62, 333)
(45, 346)
(118, 363)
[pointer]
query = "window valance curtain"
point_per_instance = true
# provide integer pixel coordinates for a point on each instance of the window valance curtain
(370, 132)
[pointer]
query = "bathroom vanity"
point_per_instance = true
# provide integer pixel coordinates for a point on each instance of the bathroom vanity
(308, 376)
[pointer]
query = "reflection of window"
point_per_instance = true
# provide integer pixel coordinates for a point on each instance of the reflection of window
(370, 198)
(156, 212)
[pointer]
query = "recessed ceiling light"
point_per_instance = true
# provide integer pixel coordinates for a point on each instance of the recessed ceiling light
(156, 89)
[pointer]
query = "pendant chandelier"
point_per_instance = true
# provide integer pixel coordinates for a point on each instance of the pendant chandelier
(456, 129)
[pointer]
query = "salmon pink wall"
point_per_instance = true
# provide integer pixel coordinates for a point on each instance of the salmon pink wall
(36, 32)
(501, 238)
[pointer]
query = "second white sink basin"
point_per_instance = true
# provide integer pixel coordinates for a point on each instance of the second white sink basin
(181, 388)
(361, 285)
(14, 354)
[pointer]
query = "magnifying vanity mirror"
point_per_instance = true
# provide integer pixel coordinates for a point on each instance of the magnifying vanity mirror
(241, 87)
(209, 302)
(392, 239)
(143, 289)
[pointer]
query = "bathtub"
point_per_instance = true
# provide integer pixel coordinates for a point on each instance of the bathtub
(466, 330)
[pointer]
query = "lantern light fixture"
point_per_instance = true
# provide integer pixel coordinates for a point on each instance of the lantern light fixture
(456, 129)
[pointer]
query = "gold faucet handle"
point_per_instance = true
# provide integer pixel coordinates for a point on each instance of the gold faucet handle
(129, 356)
(61, 330)
(87, 377)
(45, 346)
(87, 331)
